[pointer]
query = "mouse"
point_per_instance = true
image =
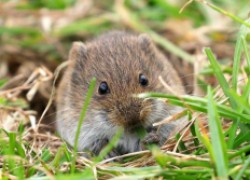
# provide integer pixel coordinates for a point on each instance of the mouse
(124, 64)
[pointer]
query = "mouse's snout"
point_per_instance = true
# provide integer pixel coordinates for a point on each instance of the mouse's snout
(134, 113)
(130, 113)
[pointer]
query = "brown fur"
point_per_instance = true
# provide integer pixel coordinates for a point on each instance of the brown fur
(116, 58)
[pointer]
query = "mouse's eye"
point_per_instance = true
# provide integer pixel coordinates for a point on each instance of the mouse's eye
(103, 88)
(143, 80)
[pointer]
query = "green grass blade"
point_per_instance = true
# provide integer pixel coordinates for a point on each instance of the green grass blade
(198, 104)
(246, 51)
(219, 75)
(86, 24)
(58, 156)
(82, 115)
(225, 87)
(240, 43)
(3, 82)
(110, 145)
(202, 137)
(232, 16)
(164, 160)
(247, 90)
(241, 101)
(236, 66)
(240, 152)
(236, 63)
(84, 110)
(12, 140)
(241, 138)
(243, 169)
(217, 138)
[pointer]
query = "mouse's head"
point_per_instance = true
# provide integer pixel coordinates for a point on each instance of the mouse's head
(124, 65)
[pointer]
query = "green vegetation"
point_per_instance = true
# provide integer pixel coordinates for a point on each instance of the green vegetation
(217, 143)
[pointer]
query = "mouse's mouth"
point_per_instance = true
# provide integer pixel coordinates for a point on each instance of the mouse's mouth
(134, 128)
(137, 129)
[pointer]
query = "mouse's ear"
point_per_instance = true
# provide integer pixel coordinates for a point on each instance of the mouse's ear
(145, 41)
(78, 51)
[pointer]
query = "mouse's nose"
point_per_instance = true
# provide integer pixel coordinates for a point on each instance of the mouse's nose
(131, 114)
(132, 117)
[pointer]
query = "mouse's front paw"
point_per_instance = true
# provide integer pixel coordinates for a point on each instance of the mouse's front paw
(150, 138)
(113, 153)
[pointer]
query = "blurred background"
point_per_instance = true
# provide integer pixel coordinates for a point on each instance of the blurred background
(36, 35)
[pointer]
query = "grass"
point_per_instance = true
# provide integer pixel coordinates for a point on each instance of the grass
(216, 145)
(82, 115)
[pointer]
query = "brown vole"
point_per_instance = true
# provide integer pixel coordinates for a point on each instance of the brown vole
(124, 64)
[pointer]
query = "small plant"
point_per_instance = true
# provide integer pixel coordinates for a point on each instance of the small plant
(215, 144)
